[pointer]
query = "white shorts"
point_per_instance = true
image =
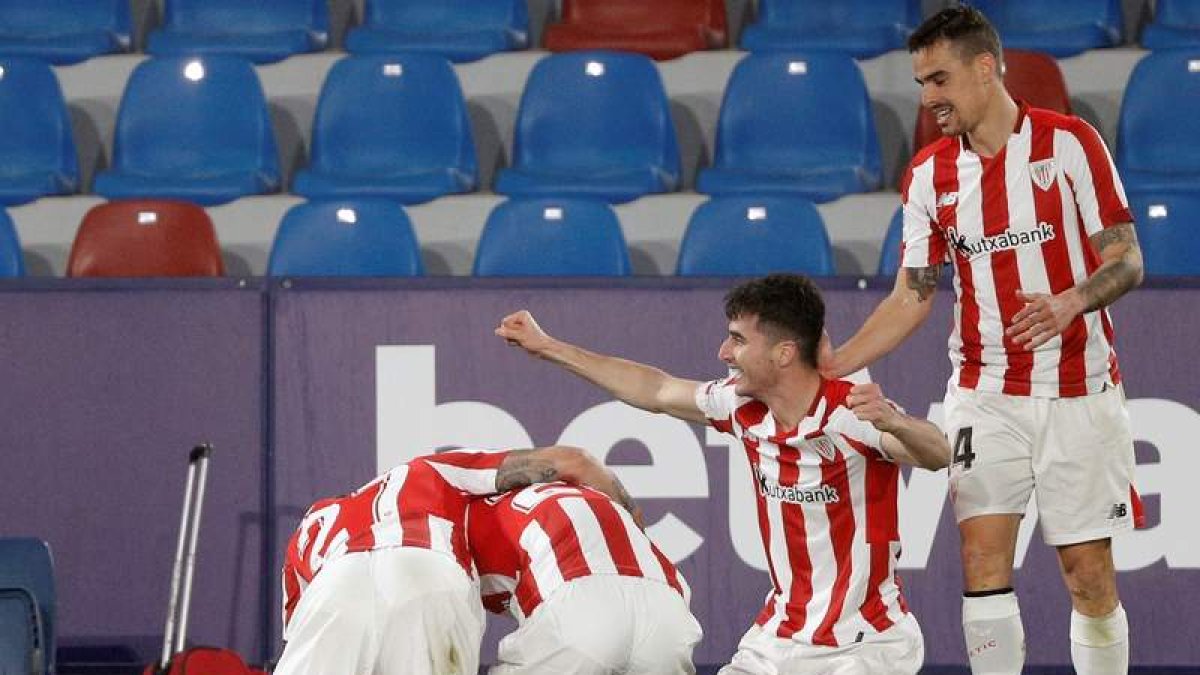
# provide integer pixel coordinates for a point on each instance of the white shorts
(1076, 453)
(899, 650)
(395, 611)
(603, 625)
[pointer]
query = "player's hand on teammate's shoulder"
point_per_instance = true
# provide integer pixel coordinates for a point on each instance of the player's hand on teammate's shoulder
(520, 329)
(868, 404)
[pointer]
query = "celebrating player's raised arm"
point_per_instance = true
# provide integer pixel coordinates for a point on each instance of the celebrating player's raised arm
(637, 384)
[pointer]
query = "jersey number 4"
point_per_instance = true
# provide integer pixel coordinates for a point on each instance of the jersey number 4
(962, 448)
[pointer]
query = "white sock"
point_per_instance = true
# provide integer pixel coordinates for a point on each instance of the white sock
(995, 637)
(1100, 645)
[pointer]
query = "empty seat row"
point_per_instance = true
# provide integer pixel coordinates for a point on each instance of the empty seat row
(734, 236)
(373, 237)
(67, 31)
(397, 127)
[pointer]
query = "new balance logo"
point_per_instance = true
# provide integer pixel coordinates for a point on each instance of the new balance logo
(1118, 511)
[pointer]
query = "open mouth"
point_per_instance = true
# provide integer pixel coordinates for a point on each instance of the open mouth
(942, 114)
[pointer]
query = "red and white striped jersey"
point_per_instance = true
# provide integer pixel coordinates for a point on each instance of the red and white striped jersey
(826, 496)
(421, 504)
(528, 543)
(1018, 221)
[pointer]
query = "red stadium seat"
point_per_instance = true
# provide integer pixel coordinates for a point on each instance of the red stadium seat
(664, 29)
(1031, 76)
(145, 238)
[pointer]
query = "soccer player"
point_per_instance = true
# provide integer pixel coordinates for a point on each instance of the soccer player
(380, 581)
(824, 457)
(592, 594)
(1027, 205)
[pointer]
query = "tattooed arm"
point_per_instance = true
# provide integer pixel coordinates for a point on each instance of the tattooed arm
(1045, 316)
(905, 308)
(523, 468)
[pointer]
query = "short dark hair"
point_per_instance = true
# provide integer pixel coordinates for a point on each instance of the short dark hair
(788, 306)
(962, 26)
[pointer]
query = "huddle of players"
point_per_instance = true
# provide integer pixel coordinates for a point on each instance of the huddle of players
(553, 538)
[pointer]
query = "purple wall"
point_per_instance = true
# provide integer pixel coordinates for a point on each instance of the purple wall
(106, 388)
(103, 395)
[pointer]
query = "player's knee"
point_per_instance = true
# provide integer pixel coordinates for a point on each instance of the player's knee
(984, 567)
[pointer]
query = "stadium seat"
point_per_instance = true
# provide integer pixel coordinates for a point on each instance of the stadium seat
(26, 564)
(262, 31)
(37, 149)
(748, 236)
(365, 237)
(145, 238)
(813, 136)
(20, 638)
(1061, 28)
(64, 31)
(1166, 227)
(863, 29)
(889, 256)
(393, 127)
(194, 129)
(1032, 77)
(595, 125)
(1176, 25)
(664, 29)
(460, 30)
(1157, 146)
(12, 261)
(552, 237)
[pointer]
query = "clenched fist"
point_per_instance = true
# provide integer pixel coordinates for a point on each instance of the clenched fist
(521, 330)
(868, 404)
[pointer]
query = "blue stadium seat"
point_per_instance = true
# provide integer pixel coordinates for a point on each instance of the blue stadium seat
(26, 563)
(593, 124)
(798, 125)
(1060, 28)
(37, 150)
(1176, 25)
(345, 238)
(1157, 146)
(460, 30)
(262, 31)
(12, 261)
(1166, 227)
(193, 129)
(64, 31)
(862, 29)
(20, 640)
(889, 257)
(552, 237)
(390, 126)
(747, 236)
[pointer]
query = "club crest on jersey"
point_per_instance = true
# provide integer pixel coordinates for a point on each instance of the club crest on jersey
(824, 446)
(1043, 173)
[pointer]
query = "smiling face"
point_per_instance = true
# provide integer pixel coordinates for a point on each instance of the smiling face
(754, 355)
(956, 87)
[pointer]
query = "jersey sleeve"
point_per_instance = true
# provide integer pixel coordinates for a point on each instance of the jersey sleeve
(1093, 177)
(471, 470)
(923, 244)
(717, 399)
